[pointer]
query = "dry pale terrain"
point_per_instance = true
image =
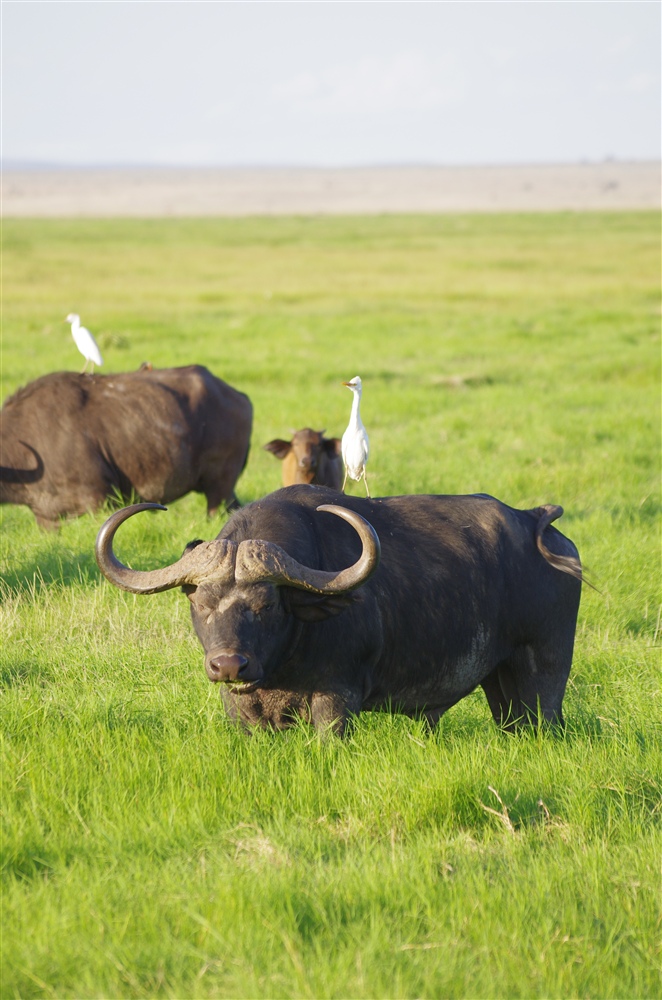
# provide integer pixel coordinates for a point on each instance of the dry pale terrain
(150, 192)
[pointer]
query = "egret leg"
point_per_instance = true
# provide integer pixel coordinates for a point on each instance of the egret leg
(367, 491)
(343, 482)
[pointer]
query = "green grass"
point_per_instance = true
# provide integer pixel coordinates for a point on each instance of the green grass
(149, 849)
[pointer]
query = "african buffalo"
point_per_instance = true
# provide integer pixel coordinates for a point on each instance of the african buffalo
(309, 458)
(467, 591)
(68, 441)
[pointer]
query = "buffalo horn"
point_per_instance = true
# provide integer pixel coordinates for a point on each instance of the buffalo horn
(209, 559)
(264, 562)
(22, 477)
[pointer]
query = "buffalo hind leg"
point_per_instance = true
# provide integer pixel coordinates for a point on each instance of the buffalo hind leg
(218, 487)
(214, 503)
(541, 674)
(502, 697)
(215, 497)
(219, 478)
(529, 686)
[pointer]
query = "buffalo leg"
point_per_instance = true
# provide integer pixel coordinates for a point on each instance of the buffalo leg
(218, 484)
(215, 498)
(529, 685)
(330, 711)
(213, 503)
(433, 715)
(48, 523)
(541, 674)
(502, 697)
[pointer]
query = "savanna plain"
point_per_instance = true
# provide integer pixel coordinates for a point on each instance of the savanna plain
(151, 849)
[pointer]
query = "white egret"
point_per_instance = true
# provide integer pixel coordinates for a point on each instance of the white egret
(355, 444)
(85, 342)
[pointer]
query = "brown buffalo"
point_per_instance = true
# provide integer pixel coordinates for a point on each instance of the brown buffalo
(309, 458)
(68, 441)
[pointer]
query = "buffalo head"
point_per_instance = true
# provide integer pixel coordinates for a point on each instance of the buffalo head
(247, 598)
(308, 458)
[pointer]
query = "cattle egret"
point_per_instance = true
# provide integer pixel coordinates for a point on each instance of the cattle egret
(355, 445)
(85, 342)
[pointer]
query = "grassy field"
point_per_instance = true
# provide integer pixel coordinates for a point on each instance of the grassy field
(149, 849)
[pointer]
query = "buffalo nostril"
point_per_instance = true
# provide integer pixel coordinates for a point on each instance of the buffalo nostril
(226, 666)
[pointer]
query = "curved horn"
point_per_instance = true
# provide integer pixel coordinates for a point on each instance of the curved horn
(215, 558)
(16, 477)
(259, 561)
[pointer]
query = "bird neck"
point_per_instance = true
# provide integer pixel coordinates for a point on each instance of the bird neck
(354, 417)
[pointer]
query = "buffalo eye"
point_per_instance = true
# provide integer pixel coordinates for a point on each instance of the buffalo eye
(263, 609)
(196, 605)
(309, 607)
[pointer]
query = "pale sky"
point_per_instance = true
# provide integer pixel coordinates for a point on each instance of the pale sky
(147, 82)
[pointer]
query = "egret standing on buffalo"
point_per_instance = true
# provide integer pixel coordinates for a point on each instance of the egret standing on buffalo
(355, 444)
(85, 342)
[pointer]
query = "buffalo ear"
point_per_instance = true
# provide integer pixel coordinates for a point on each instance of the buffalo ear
(278, 447)
(309, 607)
(332, 447)
(192, 545)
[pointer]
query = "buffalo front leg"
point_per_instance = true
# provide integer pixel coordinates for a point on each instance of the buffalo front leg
(330, 711)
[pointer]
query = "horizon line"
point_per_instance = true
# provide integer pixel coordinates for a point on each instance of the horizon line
(7, 164)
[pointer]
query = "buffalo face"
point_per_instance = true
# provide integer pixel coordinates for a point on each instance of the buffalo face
(308, 458)
(242, 630)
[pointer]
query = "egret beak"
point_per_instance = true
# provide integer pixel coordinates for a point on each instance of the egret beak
(349, 386)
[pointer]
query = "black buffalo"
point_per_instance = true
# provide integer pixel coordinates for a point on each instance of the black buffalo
(69, 441)
(300, 616)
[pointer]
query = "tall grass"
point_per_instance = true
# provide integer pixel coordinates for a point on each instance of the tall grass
(148, 847)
